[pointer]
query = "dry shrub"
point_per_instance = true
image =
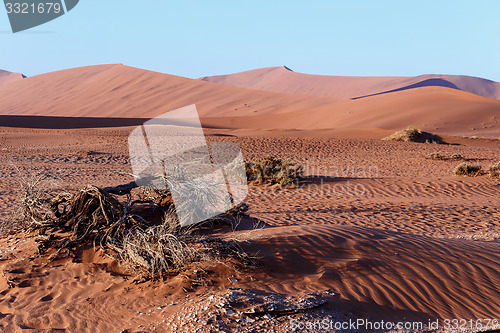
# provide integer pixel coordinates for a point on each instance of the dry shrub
(436, 156)
(150, 252)
(91, 216)
(34, 194)
(495, 176)
(156, 250)
(456, 157)
(495, 167)
(272, 170)
(121, 228)
(468, 170)
(412, 134)
(494, 171)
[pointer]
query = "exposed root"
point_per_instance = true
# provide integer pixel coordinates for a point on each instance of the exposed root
(126, 229)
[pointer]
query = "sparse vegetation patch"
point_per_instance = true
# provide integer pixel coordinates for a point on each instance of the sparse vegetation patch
(272, 170)
(436, 156)
(468, 170)
(495, 171)
(124, 223)
(495, 167)
(412, 134)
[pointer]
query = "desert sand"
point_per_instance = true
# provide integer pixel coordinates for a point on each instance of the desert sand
(376, 228)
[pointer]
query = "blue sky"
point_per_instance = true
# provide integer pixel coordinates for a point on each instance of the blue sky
(198, 38)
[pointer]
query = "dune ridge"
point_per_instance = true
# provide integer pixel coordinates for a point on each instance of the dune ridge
(7, 77)
(284, 80)
(437, 109)
(117, 91)
(126, 92)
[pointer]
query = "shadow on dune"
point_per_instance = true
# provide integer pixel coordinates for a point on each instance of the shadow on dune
(67, 122)
(437, 82)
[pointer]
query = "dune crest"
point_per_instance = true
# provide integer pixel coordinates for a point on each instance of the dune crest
(7, 77)
(284, 80)
(435, 109)
(118, 91)
(127, 92)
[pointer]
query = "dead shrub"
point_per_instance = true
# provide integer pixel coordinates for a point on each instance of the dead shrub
(436, 156)
(272, 170)
(412, 134)
(34, 194)
(123, 229)
(150, 252)
(495, 167)
(468, 170)
(494, 171)
(495, 175)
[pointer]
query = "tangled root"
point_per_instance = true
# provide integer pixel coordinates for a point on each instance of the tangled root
(96, 216)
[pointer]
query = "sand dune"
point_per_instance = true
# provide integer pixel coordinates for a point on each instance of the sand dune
(126, 92)
(7, 77)
(438, 109)
(117, 91)
(284, 80)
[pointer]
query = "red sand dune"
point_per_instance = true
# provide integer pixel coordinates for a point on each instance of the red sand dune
(284, 80)
(6, 77)
(121, 91)
(438, 109)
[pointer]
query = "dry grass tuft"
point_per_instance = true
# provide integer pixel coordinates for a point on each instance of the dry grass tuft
(456, 157)
(495, 176)
(154, 250)
(468, 170)
(495, 167)
(412, 134)
(272, 170)
(494, 171)
(436, 156)
(34, 194)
